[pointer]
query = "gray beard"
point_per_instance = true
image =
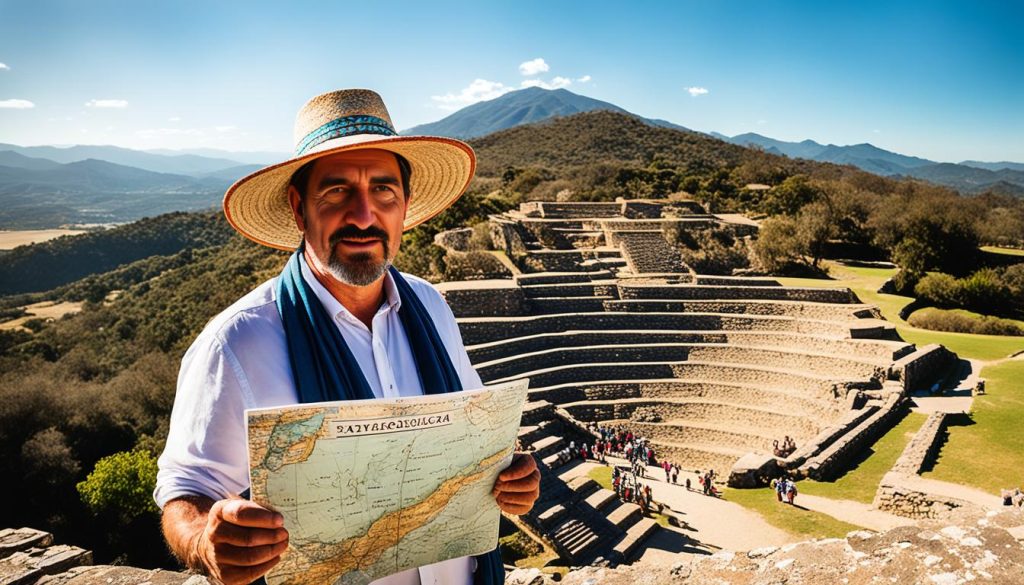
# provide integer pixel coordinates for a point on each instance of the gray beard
(358, 270)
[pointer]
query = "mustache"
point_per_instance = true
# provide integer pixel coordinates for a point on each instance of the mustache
(352, 232)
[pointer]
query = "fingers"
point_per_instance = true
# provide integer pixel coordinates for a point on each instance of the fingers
(247, 556)
(523, 484)
(516, 503)
(246, 513)
(224, 532)
(242, 541)
(522, 465)
(244, 575)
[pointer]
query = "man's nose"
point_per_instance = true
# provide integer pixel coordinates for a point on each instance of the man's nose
(359, 212)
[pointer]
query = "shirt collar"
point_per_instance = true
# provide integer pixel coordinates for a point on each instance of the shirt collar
(332, 305)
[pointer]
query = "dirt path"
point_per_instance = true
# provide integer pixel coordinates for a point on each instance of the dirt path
(857, 513)
(707, 524)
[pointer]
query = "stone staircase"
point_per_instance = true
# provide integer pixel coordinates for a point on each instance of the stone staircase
(580, 519)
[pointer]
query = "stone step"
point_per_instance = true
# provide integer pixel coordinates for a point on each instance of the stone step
(480, 330)
(728, 372)
(583, 485)
(601, 498)
(548, 445)
(625, 515)
(817, 363)
(551, 516)
(530, 434)
(635, 536)
(872, 350)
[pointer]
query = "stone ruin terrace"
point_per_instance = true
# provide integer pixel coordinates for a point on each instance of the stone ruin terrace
(611, 327)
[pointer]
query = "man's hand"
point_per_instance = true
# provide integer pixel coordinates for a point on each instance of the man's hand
(235, 542)
(518, 486)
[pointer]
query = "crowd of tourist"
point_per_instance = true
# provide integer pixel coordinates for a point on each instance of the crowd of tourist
(629, 489)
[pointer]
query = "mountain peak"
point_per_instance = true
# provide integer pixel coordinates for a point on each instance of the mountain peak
(523, 106)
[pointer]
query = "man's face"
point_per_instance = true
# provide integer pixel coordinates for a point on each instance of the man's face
(352, 214)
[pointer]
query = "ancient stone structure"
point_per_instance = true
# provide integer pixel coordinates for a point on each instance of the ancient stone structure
(612, 328)
(904, 492)
(972, 549)
(29, 557)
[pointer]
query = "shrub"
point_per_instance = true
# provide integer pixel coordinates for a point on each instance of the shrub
(122, 484)
(517, 546)
(940, 289)
(939, 320)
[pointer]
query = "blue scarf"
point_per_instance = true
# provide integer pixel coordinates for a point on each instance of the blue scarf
(325, 370)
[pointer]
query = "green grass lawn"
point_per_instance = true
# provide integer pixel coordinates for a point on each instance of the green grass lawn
(799, 522)
(860, 483)
(984, 450)
(865, 282)
(998, 250)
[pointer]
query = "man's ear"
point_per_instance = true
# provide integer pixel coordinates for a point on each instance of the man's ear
(295, 201)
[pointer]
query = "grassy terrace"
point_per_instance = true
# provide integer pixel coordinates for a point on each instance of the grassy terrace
(984, 449)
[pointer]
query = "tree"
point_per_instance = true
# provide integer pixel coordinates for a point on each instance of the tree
(121, 485)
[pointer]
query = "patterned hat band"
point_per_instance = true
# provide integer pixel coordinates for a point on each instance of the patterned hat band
(344, 127)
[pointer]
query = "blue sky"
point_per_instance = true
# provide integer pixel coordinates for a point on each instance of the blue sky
(935, 79)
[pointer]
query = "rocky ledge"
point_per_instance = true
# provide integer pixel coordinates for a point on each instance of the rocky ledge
(985, 550)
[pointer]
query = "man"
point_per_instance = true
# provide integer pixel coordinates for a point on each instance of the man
(338, 323)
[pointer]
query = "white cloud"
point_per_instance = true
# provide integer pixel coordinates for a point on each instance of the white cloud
(223, 129)
(556, 83)
(106, 104)
(697, 91)
(4, 67)
(762, 122)
(530, 68)
(584, 79)
(16, 104)
(174, 119)
(478, 91)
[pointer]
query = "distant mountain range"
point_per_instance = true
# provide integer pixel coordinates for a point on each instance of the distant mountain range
(516, 108)
(968, 176)
(42, 193)
(49, 186)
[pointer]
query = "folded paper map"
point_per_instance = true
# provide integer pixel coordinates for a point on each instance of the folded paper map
(369, 488)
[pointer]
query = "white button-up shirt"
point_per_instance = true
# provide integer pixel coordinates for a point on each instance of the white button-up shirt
(240, 361)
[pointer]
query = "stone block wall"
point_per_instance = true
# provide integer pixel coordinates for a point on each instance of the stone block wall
(911, 497)
(922, 368)
(875, 351)
(457, 240)
(648, 252)
(484, 298)
(813, 404)
(481, 331)
(923, 448)
(817, 295)
(702, 412)
(505, 236)
(836, 458)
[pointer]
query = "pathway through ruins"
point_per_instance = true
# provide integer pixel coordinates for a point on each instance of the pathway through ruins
(707, 524)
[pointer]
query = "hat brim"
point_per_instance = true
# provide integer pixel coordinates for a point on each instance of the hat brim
(257, 205)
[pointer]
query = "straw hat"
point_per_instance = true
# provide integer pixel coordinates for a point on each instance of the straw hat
(349, 119)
